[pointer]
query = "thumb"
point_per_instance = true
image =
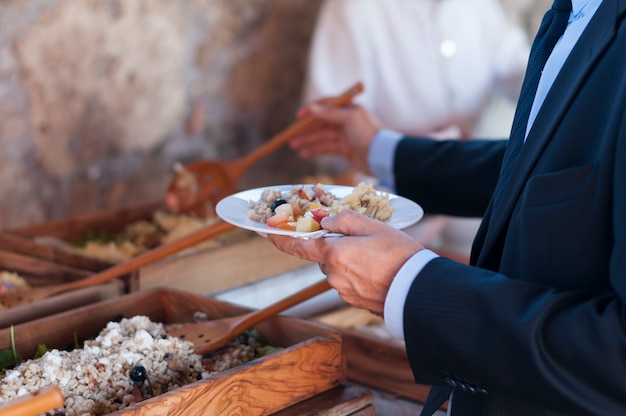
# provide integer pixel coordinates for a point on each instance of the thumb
(349, 222)
(334, 115)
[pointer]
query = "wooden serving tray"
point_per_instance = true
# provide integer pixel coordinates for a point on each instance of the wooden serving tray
(62, 302)
(192, 270)
(311, 363)
(381, 364)
(40, 272)
(43, 264)
(374, 360)
(75, 228)
(24, 240)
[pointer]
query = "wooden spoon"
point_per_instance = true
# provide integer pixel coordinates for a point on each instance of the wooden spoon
(212, 335)
(10, 299)
(211, 181)
(42, 401)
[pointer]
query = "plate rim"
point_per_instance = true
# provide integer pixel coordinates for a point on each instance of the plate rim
(264, 230)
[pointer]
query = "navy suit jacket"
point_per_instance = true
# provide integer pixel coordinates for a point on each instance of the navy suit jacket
(536, 325)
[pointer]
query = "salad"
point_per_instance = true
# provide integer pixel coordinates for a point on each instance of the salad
(303, 207)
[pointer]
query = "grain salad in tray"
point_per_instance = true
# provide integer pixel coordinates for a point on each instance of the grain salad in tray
(303, 206)
(128, 362)
(119, 357)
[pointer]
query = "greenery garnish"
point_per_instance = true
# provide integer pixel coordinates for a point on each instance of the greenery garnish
(9, 358)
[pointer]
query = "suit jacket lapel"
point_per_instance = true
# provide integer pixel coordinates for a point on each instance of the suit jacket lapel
(595, 38)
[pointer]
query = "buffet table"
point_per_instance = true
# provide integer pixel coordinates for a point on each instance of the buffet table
(251, 273)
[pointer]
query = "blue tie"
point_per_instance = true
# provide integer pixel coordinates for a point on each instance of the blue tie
(552, 27)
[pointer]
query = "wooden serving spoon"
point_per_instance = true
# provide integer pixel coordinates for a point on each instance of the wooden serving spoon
(42, 401)
(211, 181)
(10, 299)
(208, 336)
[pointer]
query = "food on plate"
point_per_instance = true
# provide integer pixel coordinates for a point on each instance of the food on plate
(141, 236)
(129, 361)
(303, 206)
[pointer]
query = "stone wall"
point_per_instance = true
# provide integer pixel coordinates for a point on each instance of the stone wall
(99, 98)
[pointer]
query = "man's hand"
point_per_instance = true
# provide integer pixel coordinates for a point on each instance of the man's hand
(344, 131)
(362, 264)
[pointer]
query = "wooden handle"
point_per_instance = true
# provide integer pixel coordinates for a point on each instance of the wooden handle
(274, 309)
(44, 400)
(153, 255)
(298, 127)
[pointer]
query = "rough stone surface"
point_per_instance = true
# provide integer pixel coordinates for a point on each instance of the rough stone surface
(99, 98)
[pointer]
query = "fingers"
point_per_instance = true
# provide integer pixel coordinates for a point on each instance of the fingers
(303, 112)
(352, 223)
(362, 264)
(335, 118)
(341, 131)
(317, 109)
(334, 115)
(320, 141)
(311, 250)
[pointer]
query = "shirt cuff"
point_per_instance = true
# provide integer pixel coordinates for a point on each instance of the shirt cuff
(399, 289)
(381, 156)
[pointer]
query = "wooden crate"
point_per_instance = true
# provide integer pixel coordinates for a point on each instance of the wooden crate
(345, 400)
(38, 240)
(40, 272)
(311, 363)
(201, 271)
(75, 228)
(373, 360)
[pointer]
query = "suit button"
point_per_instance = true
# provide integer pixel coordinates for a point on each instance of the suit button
(450, 382)
(481, 390)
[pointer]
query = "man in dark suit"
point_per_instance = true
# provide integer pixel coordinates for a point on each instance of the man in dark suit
(536, 324)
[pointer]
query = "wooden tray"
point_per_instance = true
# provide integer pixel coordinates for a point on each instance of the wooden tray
(311, 363)
(24, 240)
(374, 360)
(75, 228)
(345, 400)
(63, 302)
(192, 271)
(40, 272)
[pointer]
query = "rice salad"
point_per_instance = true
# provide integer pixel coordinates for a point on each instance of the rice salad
(363, 196)
(306, 198)
(98, 378)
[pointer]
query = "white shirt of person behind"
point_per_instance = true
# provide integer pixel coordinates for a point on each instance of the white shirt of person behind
(430, 68)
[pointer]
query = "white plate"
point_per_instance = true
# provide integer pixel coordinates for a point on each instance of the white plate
(233, 209)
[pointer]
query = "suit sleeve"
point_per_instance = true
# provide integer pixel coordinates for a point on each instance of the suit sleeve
(450, 177)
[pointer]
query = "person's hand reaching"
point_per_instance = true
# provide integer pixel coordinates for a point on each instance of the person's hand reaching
(346, 131)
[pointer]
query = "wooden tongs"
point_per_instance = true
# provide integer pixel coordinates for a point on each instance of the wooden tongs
(10, 299)
(210, 181)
